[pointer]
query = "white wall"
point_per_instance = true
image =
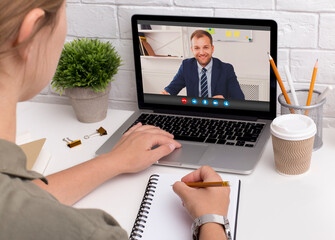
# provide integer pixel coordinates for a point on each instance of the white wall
(306, 32)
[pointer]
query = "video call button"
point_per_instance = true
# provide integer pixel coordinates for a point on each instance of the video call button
(215, 102)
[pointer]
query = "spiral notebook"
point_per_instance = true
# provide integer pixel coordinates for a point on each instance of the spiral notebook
(162, 215)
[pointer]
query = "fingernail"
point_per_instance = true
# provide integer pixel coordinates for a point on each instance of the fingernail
(172, 146)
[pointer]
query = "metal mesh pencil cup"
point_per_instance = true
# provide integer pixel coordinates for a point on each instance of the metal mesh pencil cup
(314, 111)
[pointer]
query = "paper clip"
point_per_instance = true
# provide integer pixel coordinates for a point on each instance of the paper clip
(101, 131)
(71, 143)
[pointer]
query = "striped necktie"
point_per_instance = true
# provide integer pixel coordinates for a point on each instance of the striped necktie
(203, 83)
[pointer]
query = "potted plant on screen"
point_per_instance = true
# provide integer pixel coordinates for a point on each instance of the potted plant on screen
(85, 72)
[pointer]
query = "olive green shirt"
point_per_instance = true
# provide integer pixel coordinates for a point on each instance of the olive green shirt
(29, 212)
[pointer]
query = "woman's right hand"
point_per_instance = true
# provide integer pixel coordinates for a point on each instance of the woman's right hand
(201, 201)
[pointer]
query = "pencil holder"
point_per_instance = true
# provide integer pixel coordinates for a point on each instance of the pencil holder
(314, 111)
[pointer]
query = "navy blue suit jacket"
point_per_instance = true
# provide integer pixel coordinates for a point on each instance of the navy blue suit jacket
(223, 82)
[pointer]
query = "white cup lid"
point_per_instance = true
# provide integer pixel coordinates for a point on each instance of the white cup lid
(293, 127)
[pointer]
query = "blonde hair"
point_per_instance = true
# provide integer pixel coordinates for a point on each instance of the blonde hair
(13, 12)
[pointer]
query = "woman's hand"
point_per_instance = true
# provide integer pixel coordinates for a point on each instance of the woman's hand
(140, 147)
(201, 201)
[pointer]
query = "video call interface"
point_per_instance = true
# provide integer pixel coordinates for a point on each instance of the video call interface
(209, 66)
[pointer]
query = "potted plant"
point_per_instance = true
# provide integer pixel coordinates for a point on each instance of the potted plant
(85, 71)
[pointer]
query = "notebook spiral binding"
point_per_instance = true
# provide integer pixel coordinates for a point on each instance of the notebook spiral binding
(139, 225)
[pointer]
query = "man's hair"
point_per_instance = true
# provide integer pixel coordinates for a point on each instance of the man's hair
(201, 33)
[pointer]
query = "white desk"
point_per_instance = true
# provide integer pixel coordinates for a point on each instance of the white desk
(272, 206)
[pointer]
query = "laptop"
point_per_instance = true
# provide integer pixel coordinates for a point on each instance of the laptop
(226, 129)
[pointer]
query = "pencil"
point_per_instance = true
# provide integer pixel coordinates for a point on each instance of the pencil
(290, 83)
(311, 87)
(274, 68)
(208, 184)
(323, 94)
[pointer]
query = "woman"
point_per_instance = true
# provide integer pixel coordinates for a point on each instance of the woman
(32, 35)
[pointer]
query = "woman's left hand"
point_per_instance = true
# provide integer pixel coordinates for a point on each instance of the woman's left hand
(140, 147)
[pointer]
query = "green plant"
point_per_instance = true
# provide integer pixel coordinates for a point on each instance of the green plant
(86, 63)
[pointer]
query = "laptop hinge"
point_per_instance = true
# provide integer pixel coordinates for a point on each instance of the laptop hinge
(208, 115)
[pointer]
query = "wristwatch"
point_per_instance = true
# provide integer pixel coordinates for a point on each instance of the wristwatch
(211, 218)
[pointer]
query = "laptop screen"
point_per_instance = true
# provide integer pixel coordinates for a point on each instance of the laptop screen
(207, 65)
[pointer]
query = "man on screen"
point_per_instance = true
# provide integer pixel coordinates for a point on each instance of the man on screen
(204, 75)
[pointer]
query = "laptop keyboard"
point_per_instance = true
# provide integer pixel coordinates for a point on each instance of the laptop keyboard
(217, 131)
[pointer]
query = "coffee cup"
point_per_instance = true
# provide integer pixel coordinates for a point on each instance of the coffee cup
(292, 140)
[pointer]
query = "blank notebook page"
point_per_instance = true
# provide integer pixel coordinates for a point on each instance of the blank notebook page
(167, 218)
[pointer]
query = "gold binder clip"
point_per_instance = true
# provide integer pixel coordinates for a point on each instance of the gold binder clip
(101, 131)
(71, 143)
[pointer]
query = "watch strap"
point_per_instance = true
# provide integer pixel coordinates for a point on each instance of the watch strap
(198, 222)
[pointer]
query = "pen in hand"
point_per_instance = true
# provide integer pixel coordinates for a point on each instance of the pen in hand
(208, 184)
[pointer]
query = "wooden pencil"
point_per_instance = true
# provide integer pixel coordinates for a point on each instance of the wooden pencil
(275, 70)
(311, 86)
(208, 184)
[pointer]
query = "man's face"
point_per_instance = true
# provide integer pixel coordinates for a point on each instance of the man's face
(202, 50)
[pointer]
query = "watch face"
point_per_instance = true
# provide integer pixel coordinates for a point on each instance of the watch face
(228, 232)
(226, 227)
(195, 228)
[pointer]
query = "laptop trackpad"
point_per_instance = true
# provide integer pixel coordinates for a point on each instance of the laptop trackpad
(188, 153)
